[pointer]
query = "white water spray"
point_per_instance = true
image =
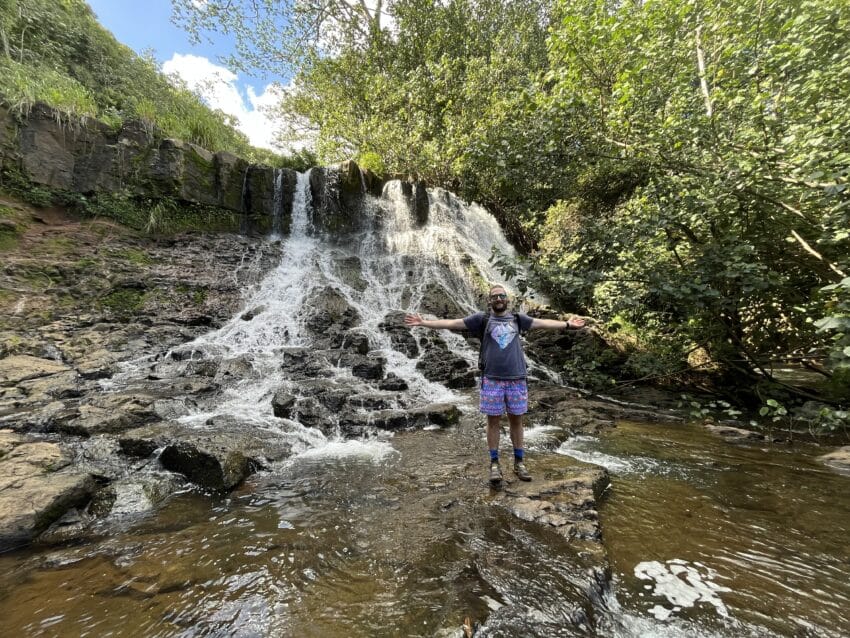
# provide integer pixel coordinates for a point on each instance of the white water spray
(391, 265)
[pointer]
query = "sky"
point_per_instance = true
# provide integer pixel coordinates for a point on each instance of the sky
(147, 26)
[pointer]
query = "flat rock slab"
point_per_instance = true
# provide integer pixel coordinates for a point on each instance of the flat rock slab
(22, 367)
(838, 459)
(734, 434)
(36, 488)
(215, 456)
(568, 505)
(109, 414)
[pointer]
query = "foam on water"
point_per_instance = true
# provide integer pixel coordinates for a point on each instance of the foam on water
(583, 448)
(541, 434)
(683, 584)
(373, 451)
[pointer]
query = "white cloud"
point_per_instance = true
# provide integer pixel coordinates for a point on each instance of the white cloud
(219, 88)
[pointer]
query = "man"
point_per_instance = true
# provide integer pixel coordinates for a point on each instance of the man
(503, 383)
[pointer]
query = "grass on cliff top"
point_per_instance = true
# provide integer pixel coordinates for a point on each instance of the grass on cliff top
(58, 53)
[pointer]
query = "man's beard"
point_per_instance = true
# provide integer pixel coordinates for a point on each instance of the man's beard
(500, 306)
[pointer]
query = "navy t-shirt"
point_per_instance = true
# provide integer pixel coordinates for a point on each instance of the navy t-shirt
(503, 358)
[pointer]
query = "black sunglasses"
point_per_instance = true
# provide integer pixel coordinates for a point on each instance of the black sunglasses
(499, 295)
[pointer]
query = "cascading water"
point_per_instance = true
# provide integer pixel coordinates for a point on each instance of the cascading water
(390, 265)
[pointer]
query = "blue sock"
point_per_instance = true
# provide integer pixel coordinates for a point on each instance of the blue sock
(519, 454)
(494, 456)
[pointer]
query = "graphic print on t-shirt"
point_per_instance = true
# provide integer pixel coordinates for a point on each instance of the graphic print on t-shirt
(503, 333)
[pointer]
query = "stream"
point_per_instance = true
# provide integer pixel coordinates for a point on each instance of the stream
(400, 537)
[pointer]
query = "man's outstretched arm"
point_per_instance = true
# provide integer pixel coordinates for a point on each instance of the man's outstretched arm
(555, 324)
(436, 324)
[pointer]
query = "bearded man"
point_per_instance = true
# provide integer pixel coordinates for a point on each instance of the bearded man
(504, 385)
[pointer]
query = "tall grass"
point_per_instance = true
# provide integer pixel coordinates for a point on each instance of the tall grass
(22, 85)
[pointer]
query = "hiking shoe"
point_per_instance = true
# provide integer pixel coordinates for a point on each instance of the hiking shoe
(495, 474)
(521, 471)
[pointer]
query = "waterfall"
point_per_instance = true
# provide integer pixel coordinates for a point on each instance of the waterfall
(390, 266)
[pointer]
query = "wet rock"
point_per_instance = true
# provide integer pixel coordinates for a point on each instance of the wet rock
(401, 336)
(356, 342)
(838, 459)
(237, 368)
(420, 204)
(248, 315)
(371, 401)
(282, 404)
(336, 200)
(734, 434)
(365, 367)
(393, 383)
(441, 365)
(218, 456)
(207, 368)
(350, 270)
(110, 414)
(37, 487)
(302, 363)
(310, 413)
(568, 505)
(64, 385)
(98, 364)
(329, 307)
(439, 302)
(437, 413)
(442, 414)
(132, 496)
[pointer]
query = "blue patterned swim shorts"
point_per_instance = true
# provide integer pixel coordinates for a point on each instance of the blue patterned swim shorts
(496, 394)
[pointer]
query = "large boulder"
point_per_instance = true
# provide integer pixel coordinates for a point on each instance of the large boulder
(218, 456)
(37, 487)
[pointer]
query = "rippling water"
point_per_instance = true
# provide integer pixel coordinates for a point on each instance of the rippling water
(722, 539)
(399, 538)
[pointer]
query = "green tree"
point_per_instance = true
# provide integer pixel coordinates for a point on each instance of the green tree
(733, 110)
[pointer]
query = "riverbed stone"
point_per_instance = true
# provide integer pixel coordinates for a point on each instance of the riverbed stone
(37, 486)
(217, 456)
(838, 459)
(568, 505)
(734, 434)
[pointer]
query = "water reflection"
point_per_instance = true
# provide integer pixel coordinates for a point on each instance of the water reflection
(704, 538)
(769, 525)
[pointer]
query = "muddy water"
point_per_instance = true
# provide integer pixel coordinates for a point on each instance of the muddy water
(720, 539)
